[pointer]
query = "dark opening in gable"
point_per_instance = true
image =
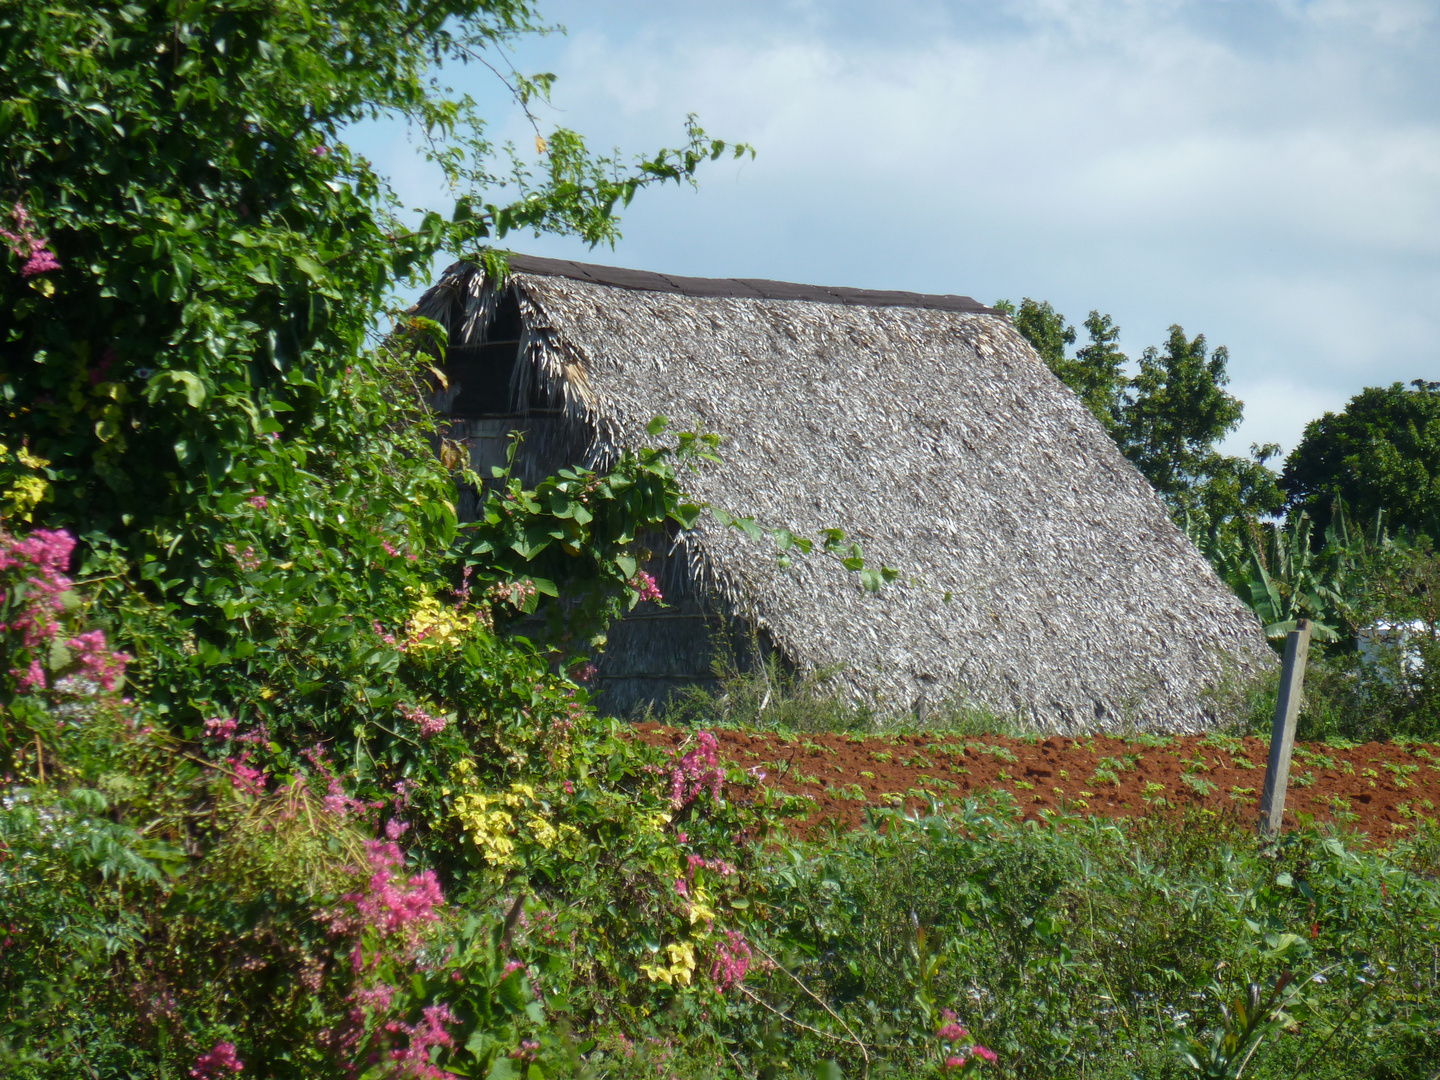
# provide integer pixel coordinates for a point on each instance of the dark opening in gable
(482, 376)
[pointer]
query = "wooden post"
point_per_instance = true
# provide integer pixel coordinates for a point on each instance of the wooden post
(1282, 733)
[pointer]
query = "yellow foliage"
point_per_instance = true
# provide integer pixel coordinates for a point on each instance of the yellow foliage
(681, 968)
(25, 495)
(432, 625)
(493, 820)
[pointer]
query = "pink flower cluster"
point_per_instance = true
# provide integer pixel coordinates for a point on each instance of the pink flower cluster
(391, 903)
(247, 560)
(429, 726)
(696, 771)
(220, 727)
(248, 780)
(731, 960)
(48, 553)
(953, 1033)
(395, 552)
(414, 1057)
(35, 250)
(515, 593)
(645, 585)
(218, 1060)
(97, 662)
(259, 502)
(337, 800)
(42, 559)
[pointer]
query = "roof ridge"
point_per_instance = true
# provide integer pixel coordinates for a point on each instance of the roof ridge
(742, 288)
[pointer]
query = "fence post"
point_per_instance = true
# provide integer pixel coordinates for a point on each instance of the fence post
(1282, 732)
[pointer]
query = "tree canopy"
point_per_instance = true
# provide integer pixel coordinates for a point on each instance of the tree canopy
(1380, 453)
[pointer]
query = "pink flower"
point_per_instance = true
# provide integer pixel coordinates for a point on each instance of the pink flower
(645, 585)
(731, 961)
(41, 262)
(39, 259)
(510, 969)
(390, 549)
(954, 1062)
(221, 1057)
(247, 560)
(952, 1032)
(97, 662)
(569, 788)
(248, 780)
(34, 675)
(984, 1052)
(429, 726)
(259, 502)
(393, 903)
(431, 1031)
(220, 727)
(681, 887)
(395, 828)
(696, 772)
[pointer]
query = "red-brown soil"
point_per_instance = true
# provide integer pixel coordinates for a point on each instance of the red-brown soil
(1379, 788)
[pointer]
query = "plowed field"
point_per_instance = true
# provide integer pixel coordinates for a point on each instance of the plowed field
(1380, 788)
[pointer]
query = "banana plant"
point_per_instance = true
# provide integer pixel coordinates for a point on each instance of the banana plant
(1283, 578)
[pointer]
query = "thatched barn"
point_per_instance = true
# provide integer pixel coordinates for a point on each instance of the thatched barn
(926, 427)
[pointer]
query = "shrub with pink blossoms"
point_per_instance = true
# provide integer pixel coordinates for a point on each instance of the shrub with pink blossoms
(731, 961)
(960, 1057)
(34, 591)
(645, 585)
(429, 725)
(35, 250)
(697, 771)
(218, 1061)
(97, 662)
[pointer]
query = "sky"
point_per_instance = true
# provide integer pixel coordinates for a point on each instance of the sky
(1264, 172)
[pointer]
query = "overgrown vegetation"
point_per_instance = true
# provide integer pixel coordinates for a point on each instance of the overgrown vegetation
(278, 798)
(1081, 948)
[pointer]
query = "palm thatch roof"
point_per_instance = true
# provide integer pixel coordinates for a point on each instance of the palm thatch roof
(926, 427)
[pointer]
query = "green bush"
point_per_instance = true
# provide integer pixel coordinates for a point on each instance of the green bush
(1086, 948)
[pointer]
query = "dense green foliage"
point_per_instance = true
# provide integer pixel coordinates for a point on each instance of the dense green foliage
(1089, 949)
(1380, 453)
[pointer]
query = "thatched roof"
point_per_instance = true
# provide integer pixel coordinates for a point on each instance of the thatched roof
(928, 429)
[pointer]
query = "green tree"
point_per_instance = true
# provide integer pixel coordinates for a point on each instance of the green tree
(1174, 412)
(194, 266)
(1380, 453)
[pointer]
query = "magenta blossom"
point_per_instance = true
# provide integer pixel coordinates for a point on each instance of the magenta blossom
(731, 961)
(97, 662)
(696, 771)
(645, 585)
(429, 725)
(35, 250)
(219, 1060)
